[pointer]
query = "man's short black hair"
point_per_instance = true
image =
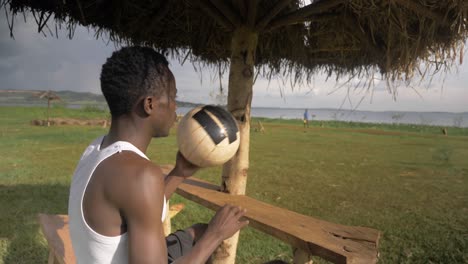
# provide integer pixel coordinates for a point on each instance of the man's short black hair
(131, 73)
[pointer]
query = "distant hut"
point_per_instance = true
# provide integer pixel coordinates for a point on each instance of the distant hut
(288, 38)
(50, 97)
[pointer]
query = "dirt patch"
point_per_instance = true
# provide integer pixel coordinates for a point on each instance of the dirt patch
(71, 121)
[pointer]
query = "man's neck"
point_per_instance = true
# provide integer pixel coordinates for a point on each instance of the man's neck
(130, 130)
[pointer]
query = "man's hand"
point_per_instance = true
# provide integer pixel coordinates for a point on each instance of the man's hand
(183, 167)
(223, 225)
(182, 170)
(226, 222)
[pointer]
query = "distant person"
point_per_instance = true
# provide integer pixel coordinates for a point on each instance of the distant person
(118, 196)
(306, 118)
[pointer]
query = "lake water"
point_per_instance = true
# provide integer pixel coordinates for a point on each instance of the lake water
(419, 118)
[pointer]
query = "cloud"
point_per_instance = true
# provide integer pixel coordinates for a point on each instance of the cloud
(32, 61)
(7, 50)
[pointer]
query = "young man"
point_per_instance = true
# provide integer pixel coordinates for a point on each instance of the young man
(306, 118)
(117, 196)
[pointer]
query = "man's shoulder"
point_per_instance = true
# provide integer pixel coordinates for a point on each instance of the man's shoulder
(128, 172)
(133, 179)
(133, 166)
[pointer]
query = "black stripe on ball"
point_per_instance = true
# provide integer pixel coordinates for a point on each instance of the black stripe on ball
(226, 120)
(210, 126)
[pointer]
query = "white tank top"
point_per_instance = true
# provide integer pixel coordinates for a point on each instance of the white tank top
(91, 247)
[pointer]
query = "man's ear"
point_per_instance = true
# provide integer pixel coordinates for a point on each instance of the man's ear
(149, 104)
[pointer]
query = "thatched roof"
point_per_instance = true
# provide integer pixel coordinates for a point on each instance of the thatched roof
(388, 36)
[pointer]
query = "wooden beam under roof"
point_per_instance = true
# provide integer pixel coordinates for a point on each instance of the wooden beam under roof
(298, 16)
(211, 11)
(272, 13)
(228, 12)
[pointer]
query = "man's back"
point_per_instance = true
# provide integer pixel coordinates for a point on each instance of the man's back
(97, 227)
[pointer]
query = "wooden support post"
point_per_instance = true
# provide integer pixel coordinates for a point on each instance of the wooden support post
(241, 73)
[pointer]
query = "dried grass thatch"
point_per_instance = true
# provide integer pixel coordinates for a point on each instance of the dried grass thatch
(392, 37)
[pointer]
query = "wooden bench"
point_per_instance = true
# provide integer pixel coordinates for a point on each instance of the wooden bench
(307, 235)
(56, 232)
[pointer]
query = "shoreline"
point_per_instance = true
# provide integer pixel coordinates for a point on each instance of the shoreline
(401, 118)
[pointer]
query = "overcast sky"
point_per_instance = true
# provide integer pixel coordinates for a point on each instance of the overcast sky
(32, 61)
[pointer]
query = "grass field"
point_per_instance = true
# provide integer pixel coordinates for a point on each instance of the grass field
(410, 182)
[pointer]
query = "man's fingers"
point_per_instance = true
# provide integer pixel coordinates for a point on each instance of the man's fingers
(231, 208)
(243, 224)
(236, 210)
(240, 213)
(227, 207)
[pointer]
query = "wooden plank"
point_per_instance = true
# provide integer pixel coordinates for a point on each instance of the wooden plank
(56, 231)
(175, 209)
(333, 242)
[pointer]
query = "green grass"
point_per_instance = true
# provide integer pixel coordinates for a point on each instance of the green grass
(424, 129)
(409, 182)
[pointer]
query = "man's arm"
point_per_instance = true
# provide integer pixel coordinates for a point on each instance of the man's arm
(142, 208)
(172, 181)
